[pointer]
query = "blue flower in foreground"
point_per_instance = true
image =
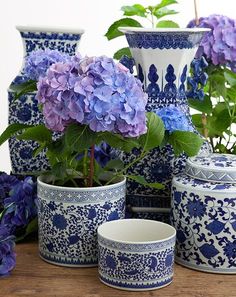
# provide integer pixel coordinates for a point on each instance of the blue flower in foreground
(174, 119)
(7, 254)
(38, 62)
(20, 205)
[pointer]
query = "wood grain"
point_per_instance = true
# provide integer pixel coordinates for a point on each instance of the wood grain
(33, 277)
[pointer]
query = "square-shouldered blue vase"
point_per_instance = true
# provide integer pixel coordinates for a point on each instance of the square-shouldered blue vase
(204, 214)
(25, 109)
(162, 58)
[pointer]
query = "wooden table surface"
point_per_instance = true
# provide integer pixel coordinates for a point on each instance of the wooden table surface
(33, 277)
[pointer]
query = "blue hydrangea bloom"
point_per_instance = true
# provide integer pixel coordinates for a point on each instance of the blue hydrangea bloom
(174, 119)
(20, 205)
(38, 62)
(7, 254)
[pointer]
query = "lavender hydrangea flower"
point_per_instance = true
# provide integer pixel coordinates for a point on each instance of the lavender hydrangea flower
(7, 254)
(218, 45)
(20, 205)
(95, 92)
(7, 182)
(38, 62)
(174, 119)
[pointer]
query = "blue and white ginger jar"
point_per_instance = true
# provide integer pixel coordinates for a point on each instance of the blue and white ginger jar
(25, 109)
(204, 214)
(162, 58)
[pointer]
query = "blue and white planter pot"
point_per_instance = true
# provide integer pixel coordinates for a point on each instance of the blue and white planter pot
(162, 58)
(204, 214)
(69, 218)
(136, 255)
(25, 109)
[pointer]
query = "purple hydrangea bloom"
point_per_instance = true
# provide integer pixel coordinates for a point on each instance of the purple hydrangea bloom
(95, 92)
(7, 182)
(20, 205)
(7, 254)
(174, 119)
(38, 62)
(218, 45)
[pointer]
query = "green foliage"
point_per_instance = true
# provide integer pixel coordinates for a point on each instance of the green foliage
(152, 13)
(167, 24)
(24, 88)
(219, 108)
(184, 141)
(113, 31)
(155, 132)
(11, 131)
(122, 52)
(141, 180)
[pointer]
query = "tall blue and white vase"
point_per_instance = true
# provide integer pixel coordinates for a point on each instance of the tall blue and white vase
(162, 58)
(25, 109)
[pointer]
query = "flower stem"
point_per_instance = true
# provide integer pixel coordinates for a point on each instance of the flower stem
(91, 171)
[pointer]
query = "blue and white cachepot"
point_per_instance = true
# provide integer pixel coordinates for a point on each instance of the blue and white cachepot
(204, 214)
(136, 254)
(25, 109)
(69, 217)
(162, 57)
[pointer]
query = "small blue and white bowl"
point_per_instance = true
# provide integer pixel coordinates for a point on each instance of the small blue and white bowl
(136, 254)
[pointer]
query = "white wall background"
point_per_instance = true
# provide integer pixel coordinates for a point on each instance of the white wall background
(94, 16)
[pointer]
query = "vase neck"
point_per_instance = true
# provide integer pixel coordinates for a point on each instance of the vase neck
(63, 42)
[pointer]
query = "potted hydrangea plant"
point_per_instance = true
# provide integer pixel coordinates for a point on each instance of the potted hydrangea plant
(94, 103)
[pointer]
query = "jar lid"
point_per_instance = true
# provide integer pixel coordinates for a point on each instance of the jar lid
(214, 167)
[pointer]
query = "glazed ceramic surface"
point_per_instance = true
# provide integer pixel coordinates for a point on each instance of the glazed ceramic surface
(162, 58)
(136, 254)
(25, 109)
(69, 218)
(204, 214)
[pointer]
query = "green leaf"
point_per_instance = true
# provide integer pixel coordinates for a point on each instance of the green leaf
(141, 180)
(119, 142)
(184, 141)
(115, 165)
(38, 150)
(24, 88)
(217, 85)
(230, 77)
(79, 138)
(155, 132)
(59, 171)
(165, 3)
(122, 52)
(231, 93)
(136, 9)
(160, 13)
(113, 31)
(167, 24)
(38, 133)
(203, 106)
(12, 130)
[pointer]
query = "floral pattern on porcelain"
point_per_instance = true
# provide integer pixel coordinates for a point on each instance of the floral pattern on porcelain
(163, 61)
(68, 221)
(219, 168)
(204, 215)
(136, 266)
(163, 40)
(25, 109)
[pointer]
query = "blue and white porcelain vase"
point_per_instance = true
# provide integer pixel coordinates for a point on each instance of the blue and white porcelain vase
(162, 58)
(69, 217)
(204, 214)
(25, 109)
